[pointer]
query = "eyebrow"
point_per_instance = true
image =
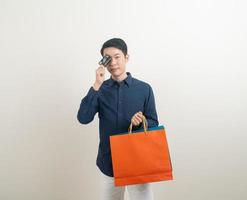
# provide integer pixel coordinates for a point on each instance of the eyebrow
(114, 54)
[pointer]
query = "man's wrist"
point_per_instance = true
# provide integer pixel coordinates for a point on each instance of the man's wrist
(96, 86)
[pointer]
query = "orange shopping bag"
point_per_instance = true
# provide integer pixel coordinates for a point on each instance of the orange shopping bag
(140, 157)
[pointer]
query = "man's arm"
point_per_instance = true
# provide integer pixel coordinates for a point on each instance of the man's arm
(88, 107)
(150, 110)
(89, 104)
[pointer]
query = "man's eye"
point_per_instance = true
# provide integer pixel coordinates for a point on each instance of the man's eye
(117, 57)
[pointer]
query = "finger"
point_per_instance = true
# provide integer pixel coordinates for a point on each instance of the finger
(140, 120)
(101, 69)
(137, 117)
(134, 122)
(137, 120)
(139, 114)
(100, 72)
(133, 119)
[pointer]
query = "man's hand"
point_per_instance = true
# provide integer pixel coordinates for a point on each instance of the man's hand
(100, 77)
(137, 118)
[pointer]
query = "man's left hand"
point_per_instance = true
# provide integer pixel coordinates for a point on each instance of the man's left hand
(137, 118)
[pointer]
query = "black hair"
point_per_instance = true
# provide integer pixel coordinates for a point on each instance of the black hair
(117, 43)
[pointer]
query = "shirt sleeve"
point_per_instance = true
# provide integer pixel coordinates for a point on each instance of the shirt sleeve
(89, 107)
(149, 111)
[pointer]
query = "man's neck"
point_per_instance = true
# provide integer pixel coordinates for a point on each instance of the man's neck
(120, 78)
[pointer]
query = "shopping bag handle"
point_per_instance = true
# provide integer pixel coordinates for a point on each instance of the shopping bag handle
(145, 125)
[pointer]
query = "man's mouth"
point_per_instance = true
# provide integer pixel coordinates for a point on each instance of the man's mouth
(114, 69)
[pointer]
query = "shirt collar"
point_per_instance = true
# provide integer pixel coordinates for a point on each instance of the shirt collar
(127, 80)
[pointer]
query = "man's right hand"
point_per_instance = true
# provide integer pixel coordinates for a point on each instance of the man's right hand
(100, 77)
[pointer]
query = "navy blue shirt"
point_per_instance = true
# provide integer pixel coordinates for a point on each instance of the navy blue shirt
(116, 103)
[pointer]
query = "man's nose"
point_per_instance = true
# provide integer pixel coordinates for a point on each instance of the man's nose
(113, 61)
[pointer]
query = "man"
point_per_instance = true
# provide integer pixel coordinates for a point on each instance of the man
(119, 101)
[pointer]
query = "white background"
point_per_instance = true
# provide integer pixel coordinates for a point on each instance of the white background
(192, 52)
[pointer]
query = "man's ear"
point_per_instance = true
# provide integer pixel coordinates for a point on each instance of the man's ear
(127, 57)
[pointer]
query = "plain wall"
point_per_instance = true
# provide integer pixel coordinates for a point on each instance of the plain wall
(193, 53)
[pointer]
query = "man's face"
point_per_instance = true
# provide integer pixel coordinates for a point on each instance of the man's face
(118, 63)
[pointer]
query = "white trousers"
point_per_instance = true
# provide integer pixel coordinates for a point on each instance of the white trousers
(108, 191)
